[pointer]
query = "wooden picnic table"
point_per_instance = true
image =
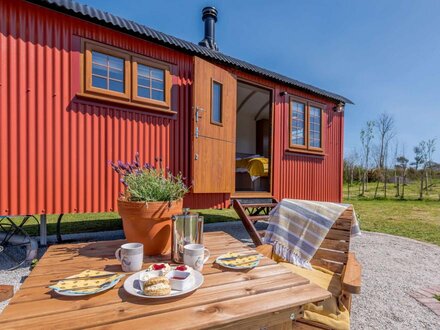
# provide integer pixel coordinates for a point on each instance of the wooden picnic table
(266, 296)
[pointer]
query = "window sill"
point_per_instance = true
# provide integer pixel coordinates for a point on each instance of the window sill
(153, 107)
(305, 152)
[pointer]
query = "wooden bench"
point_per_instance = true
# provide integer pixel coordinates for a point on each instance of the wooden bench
(334, 253)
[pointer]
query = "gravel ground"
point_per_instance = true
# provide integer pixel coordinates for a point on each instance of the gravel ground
(392, 268)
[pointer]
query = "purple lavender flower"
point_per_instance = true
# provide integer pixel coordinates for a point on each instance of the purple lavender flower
(121, 165)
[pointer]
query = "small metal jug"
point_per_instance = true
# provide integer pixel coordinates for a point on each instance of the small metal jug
(187, 229)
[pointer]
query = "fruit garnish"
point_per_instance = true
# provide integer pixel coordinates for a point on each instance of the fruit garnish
(182, 268)
(158, 266)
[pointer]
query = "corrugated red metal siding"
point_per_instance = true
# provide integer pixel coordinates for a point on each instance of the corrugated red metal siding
(55, 147)
(297, 175)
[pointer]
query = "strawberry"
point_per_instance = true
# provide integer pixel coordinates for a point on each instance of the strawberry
(182, 268)
(158, 266)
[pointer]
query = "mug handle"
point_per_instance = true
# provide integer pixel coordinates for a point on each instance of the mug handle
(207, 256)
(118, 254)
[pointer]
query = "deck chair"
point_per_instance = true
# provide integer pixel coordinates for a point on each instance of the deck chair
(334, 253)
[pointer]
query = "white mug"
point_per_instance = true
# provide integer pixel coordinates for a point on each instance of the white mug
(131, 256)
(195, 255)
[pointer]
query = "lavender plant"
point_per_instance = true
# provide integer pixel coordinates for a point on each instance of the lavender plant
(149, 183)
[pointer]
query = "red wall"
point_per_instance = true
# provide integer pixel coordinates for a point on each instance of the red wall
(55, 147)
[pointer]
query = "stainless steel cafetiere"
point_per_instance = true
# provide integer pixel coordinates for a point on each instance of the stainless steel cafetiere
(187, 229)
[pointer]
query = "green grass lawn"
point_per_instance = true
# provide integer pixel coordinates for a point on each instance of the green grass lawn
(415, 219)
(411, 217)
(419, 220)
(411, 191)
(90, 222)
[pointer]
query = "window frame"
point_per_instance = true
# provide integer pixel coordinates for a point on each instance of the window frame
(320, 107)
(165, 104)
(306, 148)
(89, 47)
(129, 97)
(212, 103)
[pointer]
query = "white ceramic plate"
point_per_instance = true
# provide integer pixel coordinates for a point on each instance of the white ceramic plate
(133, 286)
(221, 263)
(72, 293)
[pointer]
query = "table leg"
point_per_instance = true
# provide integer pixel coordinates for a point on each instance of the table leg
(43, 230)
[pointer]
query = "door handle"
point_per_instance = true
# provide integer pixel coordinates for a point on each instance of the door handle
(196, 114)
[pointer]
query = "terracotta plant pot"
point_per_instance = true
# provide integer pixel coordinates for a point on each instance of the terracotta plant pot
(149, 223)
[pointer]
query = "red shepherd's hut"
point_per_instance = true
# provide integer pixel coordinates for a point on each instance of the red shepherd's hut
(79, 87)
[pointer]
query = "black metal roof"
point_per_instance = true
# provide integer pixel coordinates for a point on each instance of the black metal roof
(127, 26)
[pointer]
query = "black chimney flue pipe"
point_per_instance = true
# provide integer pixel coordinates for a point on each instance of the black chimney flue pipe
(209, 16)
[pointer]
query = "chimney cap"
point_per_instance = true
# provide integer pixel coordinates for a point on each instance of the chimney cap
(209, 11)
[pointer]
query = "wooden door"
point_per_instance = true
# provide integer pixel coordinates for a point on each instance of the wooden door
(213, 157)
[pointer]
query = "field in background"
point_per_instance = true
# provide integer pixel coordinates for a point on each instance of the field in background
(411, 217)
(419, 220)
(411, 191)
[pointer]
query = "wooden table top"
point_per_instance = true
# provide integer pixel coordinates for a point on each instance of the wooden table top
(268, 293)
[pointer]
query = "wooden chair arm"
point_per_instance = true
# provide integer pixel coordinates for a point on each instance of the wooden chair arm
(6, 292)
(265, 250)
(351, 277)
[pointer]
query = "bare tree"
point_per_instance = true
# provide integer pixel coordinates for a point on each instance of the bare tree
(396, 177)
(385, 128)
(349, 166)
(421, 162)
(402, 164)
(430, 149)
(367, 135)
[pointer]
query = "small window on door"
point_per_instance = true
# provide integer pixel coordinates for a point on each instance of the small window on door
(216, 104)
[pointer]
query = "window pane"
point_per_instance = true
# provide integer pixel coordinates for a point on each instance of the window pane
(145, 82)
(99, 70)
(116, 63)
(298, 123)
(157, 73)
(315, 127)
(99, 58)
(116, 74)
(143, 70)
(99, 82)
(157, 84)
(116, 86)
(150, 82)
(157, 95)
(107, 72)
(216, 102)
(144, 92)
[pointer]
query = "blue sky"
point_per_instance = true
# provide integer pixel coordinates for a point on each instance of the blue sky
(384, 55)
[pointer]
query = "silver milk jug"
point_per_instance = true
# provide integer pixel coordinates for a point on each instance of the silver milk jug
(187, 229)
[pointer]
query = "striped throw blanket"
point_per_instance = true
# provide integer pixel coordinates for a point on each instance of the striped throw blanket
(297, 228)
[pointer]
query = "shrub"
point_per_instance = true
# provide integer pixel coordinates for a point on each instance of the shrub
(149, 183)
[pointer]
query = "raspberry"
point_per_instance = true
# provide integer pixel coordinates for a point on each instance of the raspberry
(181, 268)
